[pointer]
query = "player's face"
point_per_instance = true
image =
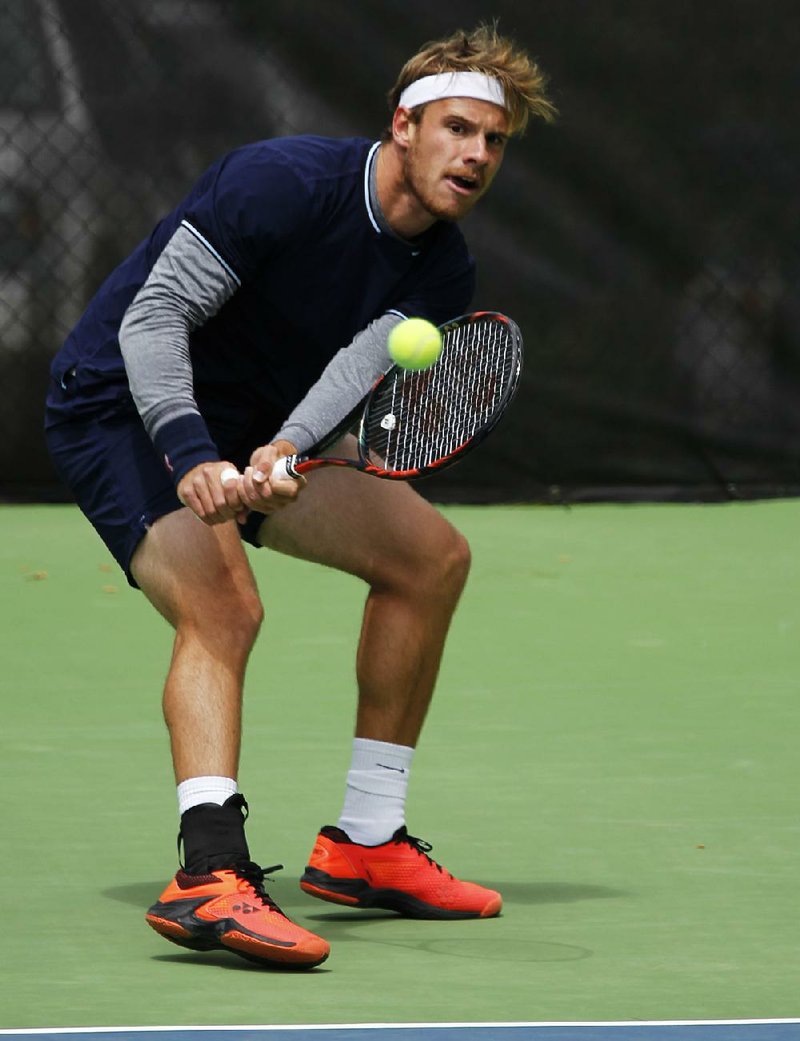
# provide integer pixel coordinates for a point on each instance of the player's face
(453, 154)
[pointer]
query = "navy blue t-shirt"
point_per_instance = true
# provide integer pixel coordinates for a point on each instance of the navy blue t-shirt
(291, 219)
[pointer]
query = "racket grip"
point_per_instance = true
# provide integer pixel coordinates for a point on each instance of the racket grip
(284, 468)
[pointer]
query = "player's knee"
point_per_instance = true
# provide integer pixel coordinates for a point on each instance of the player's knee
(232, 618)
(245, 614)
(454, 562)
(440, 570)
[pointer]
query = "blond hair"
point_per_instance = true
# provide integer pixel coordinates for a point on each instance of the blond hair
(484, 50)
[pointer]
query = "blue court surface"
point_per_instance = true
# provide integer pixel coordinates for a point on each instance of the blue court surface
(700, 1030)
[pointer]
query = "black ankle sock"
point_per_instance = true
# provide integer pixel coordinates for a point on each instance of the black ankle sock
(213, 836)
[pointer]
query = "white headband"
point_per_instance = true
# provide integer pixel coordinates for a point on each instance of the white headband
(453, 85)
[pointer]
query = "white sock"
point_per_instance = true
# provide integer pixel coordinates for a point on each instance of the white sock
(197, 790)
(375, 796)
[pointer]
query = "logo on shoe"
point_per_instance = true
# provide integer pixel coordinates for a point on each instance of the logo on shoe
(246, 908)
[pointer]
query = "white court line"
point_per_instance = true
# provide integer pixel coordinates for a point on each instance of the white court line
(406, 1026)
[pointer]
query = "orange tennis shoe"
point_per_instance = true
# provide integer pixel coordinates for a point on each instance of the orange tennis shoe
(398, 875)
(229, 910)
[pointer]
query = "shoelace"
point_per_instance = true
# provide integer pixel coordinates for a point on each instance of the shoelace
(254, 875)
(422, 847)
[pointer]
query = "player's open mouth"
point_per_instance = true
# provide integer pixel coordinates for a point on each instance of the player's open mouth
(463, 185)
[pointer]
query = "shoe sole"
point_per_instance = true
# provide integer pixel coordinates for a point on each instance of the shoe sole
(357, 893)
(186, 930)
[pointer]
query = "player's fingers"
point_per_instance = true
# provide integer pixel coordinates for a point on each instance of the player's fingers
(214, 496)
(231, 483)
(254, 490)
(229, 476)
(262, 459)
(211, 497)
(260, 494)
(193, 493)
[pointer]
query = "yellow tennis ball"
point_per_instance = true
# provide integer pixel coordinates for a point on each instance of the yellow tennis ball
(415, 343)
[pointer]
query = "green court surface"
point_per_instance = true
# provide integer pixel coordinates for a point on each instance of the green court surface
(613, 745)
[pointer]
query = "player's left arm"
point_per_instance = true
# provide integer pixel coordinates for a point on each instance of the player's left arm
(344, 383)
(325, 410)
(445, 283)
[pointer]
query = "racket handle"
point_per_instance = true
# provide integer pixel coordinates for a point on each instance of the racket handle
(284, 468)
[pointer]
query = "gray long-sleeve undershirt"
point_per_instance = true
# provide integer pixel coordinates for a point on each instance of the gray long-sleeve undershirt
(187, 285)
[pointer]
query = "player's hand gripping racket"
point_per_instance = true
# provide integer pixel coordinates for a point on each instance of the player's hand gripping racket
(417, 422)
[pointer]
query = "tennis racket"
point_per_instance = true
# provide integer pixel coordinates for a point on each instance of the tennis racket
(416, 423)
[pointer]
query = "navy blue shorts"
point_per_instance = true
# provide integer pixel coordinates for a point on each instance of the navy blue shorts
(104, 455)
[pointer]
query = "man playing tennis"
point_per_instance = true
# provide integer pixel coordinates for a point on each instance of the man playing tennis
(246, 327)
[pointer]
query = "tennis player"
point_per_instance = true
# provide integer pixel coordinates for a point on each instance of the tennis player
(247, 326)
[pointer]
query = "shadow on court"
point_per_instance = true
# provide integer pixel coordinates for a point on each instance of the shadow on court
(139, 894)
(460, 945)
(554, 892)
(229, 960)
(142, 894)
(463, 939)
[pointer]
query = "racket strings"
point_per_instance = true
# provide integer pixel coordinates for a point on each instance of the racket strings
(421, 418)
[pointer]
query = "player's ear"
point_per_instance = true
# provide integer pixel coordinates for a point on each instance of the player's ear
(402, 126)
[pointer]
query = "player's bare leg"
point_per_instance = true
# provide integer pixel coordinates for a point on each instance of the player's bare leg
(415, 564)
(200, 580)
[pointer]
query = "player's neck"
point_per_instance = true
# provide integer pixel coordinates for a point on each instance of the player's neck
(406, 215)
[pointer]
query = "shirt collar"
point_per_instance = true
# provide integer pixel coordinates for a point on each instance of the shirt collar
(374, 210)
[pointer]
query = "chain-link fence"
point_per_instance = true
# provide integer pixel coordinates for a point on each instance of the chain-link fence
(647, 243)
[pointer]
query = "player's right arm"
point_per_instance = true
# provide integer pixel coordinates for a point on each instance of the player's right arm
(187, 285)
(224, 237)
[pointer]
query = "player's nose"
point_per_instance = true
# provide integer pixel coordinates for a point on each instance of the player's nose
(477, 151)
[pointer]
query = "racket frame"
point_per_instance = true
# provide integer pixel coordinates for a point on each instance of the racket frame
(296, 466)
